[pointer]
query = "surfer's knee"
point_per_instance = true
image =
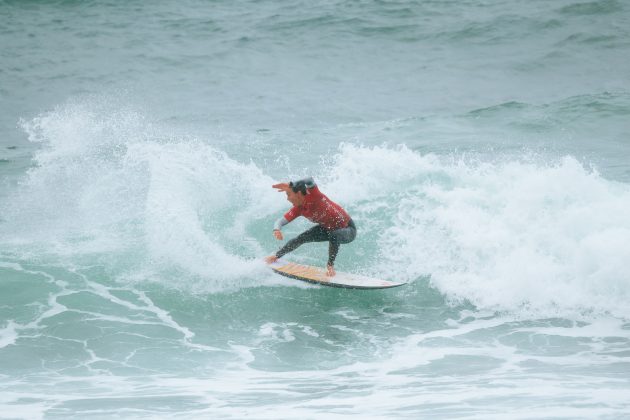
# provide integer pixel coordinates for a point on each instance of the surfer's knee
(344, 236)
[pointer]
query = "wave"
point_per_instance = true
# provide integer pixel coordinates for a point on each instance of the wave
(106, 182)
(535, 234)
(525, 236)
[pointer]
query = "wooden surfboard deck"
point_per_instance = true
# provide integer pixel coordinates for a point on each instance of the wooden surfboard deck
(318, 275)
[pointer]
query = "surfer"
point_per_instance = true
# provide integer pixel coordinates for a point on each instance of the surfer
(333, 222)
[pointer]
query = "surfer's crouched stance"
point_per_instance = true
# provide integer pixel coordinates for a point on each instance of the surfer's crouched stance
(333, 223)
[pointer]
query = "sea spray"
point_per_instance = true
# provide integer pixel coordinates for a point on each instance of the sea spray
(514, 235)
(107, 182)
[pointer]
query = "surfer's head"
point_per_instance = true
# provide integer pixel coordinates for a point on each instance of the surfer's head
(295, 198)
(299, 186)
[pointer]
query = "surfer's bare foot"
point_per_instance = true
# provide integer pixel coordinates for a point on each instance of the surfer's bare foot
(271, 259)
(330, 271)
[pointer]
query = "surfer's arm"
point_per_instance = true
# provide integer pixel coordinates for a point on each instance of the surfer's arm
(287, 218)
(279, 223)
(277, 228)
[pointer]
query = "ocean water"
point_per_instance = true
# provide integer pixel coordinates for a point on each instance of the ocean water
(481, 146)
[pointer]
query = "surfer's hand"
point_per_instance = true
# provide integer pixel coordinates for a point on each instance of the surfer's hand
(270, 259)
(281, 187)
(330, 271)
(278, 235)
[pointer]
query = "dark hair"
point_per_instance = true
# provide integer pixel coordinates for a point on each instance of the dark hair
(298, 186)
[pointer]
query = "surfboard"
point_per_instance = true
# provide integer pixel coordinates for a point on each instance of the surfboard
(318, 275)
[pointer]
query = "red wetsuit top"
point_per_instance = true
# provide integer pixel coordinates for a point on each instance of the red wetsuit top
(321, 210)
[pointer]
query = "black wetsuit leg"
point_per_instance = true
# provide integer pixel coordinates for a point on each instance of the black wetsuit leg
(314, 234)
(340, 236)
(319, 234)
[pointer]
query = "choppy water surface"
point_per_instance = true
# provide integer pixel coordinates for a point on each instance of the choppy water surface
(481, 147)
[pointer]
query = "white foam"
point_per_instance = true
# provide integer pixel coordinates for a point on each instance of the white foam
(516, 235)
(109, 183)
(8, 335)
(525, 236)
(198, 199)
